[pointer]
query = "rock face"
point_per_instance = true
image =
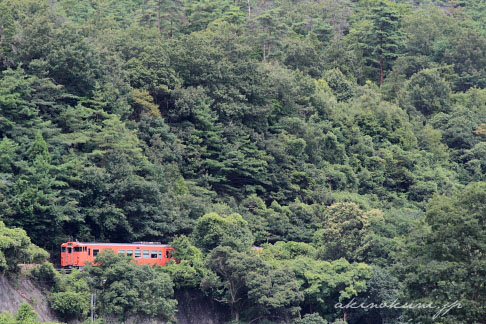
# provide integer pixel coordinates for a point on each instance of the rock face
(195, 308)
(14, 292)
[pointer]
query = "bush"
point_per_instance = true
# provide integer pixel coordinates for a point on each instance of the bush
(96, 321)
(70, 304)
(314, 318)
(46, 274)
(71, 296)
(7, 318)
(25, 315)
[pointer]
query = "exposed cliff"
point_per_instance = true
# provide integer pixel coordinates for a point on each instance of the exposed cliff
(14, 292)
(195, 308)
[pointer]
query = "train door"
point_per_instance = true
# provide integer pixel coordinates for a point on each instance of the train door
(69, 255)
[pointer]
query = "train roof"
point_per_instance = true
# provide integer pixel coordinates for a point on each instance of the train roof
(146, 244)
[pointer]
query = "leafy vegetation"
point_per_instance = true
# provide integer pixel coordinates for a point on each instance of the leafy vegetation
(25, 315)
(345, 137)
(125, 288)
(16, 247)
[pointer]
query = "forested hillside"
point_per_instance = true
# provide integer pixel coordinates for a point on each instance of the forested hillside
(345, 137)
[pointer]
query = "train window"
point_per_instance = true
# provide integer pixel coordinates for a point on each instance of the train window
(77, 249)
(121, 251)
(146, 254)
(89, 251)
(70, 249)
(167, 254)
(95, 252)
(138, 253)
(63, 249)
(129, 252)
(154, 255)
(160, 254)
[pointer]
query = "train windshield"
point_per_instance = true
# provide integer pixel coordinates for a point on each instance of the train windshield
(63, 249)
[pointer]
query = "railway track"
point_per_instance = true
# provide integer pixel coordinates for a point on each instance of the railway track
(64, 270)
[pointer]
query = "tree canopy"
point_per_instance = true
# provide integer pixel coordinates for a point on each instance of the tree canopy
(297, 154)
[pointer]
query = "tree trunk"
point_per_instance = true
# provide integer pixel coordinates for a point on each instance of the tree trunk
(286, 318)
(249, 9)
(381, 71)
(1, 42)
(269, 42)
(158, 17)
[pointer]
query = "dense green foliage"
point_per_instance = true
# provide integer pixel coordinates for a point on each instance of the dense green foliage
(125, 289)
(16, 247)
(121, 289)
(450, 254)
(346, 137)
(25, 315)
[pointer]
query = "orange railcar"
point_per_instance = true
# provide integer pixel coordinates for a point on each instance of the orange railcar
(78, 254)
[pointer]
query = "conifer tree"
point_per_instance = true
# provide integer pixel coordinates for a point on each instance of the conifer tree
(378, 36)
